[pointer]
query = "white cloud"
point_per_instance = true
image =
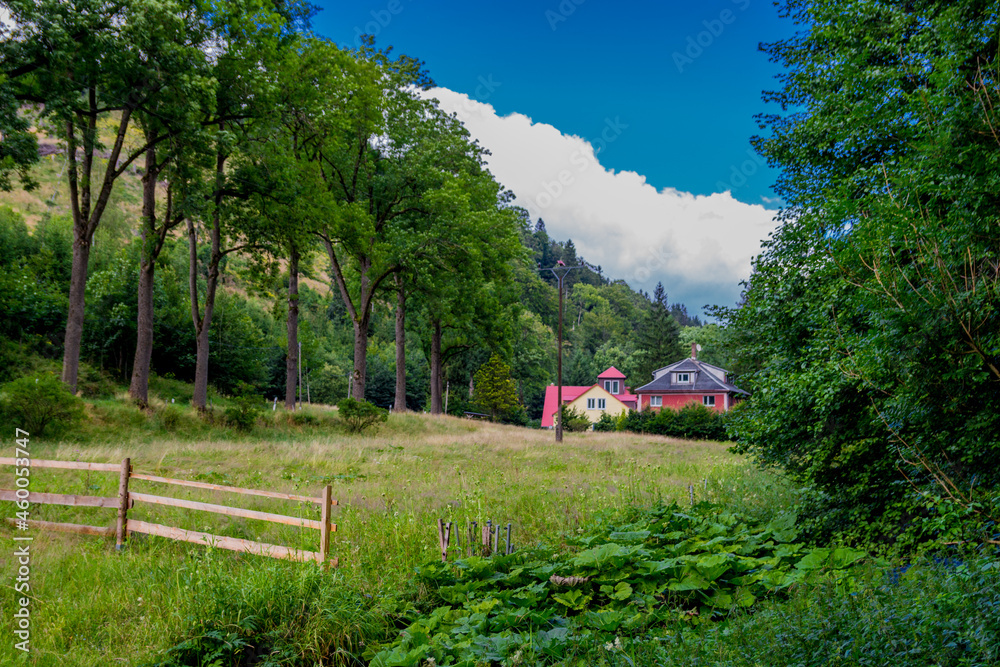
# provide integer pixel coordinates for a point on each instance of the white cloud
(700, 247)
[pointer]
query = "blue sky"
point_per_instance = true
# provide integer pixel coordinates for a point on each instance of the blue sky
(664, 93)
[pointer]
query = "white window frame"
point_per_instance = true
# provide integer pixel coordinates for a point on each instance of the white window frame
(590, 404)
(708, 400)
(683, 378)
(656, 401)
(611, 386)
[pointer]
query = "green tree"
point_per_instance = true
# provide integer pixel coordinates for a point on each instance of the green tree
(870, 326)
(495, 390)
(714, 342)
(78, 62)
(658, 337)
(178, 126)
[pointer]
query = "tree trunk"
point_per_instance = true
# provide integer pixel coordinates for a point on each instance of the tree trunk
(292, 363)
(360, 373)
(74, 318)
(139, 387)
(85, 223)
(437, 406)
(400, 402)
(203, 322)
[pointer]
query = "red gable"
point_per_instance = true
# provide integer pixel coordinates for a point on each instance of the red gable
(611, 374)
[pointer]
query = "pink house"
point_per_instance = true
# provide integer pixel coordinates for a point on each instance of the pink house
(608, 395)
(689, 381)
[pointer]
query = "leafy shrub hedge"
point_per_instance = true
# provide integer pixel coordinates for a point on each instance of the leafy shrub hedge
(39, 404)
(693, 421)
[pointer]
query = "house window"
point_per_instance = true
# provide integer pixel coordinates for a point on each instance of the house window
(708, 400)
(683, 378)
(611, 386)
(601, 403)
(656, 401)
(590, 403)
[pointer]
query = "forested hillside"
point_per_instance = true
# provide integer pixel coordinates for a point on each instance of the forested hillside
(606, 322)
(205, 218)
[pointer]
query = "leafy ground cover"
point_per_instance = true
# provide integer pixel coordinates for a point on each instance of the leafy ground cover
(667, 568)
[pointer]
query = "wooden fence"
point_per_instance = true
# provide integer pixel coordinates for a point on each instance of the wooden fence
(127, 498)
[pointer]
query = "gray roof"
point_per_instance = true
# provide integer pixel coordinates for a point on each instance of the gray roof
(704, 381)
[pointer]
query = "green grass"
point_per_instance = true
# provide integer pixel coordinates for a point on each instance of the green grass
(392, 487)
(171, 603)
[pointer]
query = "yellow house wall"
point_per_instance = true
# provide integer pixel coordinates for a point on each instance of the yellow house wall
(614, 406)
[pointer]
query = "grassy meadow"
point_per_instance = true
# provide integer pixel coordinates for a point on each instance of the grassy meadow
(91, 605)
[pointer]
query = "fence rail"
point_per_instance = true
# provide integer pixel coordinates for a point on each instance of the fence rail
(126, 500)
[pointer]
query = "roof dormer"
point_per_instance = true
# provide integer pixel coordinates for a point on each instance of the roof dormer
(613, 381)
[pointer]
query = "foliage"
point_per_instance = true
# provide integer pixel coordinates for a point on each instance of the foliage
(495, 390)
(938, 612)
(359, 416)
(295, 618)
(39, 403)
(606, 423)
(666, 566)
(243, 413)
(573, 420)
(693, 421)
(870, 326)
(659, 336)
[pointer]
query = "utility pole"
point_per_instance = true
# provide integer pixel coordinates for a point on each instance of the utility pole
(559, 279)
(300, 375)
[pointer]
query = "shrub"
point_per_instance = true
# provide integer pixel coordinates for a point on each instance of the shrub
(301, 418)
(169, 417)
(693, 421)
(243, 413)
(573, 420)
(359, 416)
(34, 404)
(697, 422)
(606, 423)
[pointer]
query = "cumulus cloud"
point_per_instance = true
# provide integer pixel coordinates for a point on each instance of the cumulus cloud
(700, 247)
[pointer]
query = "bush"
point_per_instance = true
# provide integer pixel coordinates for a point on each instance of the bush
(606, 423)
(697, 422)
(169, 417)
(34, 404)
(243, 413)
(693, 421)
(359, 416)
(574, 421)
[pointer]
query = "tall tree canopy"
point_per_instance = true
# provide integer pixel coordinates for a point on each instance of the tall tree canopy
(871, 322)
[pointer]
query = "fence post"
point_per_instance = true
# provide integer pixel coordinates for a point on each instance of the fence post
(324, 526)
(121, 530)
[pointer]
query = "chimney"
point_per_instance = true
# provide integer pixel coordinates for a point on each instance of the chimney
(694, 350)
